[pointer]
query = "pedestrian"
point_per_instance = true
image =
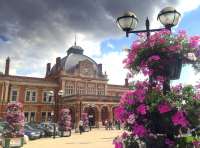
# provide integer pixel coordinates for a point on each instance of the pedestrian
(106, 124)
(81, 126)
(110, 125)
(90, 125)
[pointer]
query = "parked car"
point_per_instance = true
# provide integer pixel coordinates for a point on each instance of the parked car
(31, 133)
(42, 132)
(49, 127)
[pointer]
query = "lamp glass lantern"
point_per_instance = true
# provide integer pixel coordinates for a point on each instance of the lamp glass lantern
(51, 93)
(128, 21)
(52, 113)
(169, 17)
(60, 92)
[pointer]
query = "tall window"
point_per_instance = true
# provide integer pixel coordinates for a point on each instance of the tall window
(14, 94)
(100, 89)
(69, 88)
(80, 88)
(30, 96)
(26, 116)
(30, 116)
(91, 89)
(47, 98)
(43, 118)
(46, 116)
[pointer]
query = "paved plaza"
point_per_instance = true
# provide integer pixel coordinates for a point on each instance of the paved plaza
(97, 138)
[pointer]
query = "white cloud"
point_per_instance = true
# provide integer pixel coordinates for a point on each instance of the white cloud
(110, 45)
(35, 74)
(187, 5)
(112, 64)
(188, 76)
(90, 45)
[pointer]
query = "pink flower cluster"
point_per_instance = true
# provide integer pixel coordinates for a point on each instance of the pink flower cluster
(121, 114)
(196, 144)
(142, 109)
(164, 107)
(118, 142)
(169, 142)
(179, 119)
(139, 130)
(131, 119)
(177, 89)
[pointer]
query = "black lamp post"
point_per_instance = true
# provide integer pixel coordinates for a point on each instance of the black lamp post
(168, 16)
(53, 113)
(80, 105)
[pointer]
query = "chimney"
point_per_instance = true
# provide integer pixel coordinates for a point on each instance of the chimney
(100, 68)
(48, 68)
(58, 63)
(126, 82)
(7, 66)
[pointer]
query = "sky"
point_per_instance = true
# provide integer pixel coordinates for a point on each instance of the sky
(35, 32)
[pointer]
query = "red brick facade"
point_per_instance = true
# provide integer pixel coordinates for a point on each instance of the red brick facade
(85, 89)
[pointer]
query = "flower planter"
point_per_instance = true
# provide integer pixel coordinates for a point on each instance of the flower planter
(64, 133)
(174, 67)
(135, 145)
(86, 129)
(12, 142)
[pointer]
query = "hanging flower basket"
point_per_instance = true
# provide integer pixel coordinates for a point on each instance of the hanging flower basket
(175, 67)
(163, 54)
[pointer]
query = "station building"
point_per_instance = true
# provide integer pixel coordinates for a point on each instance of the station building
(85, 89)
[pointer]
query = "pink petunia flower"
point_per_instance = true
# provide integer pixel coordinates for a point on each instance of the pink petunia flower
(179, 119)
(164, 107)
(169, 142)
(131, 119)
(139, 130)
(142, 109)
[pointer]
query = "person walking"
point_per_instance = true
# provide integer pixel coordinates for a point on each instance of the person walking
(106, 124)
(81, 126)
(110, 125)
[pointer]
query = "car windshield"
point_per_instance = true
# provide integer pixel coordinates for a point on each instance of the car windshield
(28, 127)
(34, 125)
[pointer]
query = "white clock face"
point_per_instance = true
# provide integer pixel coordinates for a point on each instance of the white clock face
(86, 71)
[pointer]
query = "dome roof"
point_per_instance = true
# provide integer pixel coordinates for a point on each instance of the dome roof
(71, 61)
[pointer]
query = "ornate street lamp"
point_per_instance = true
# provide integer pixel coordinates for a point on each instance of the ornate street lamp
(168, 16)
(53, 113)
